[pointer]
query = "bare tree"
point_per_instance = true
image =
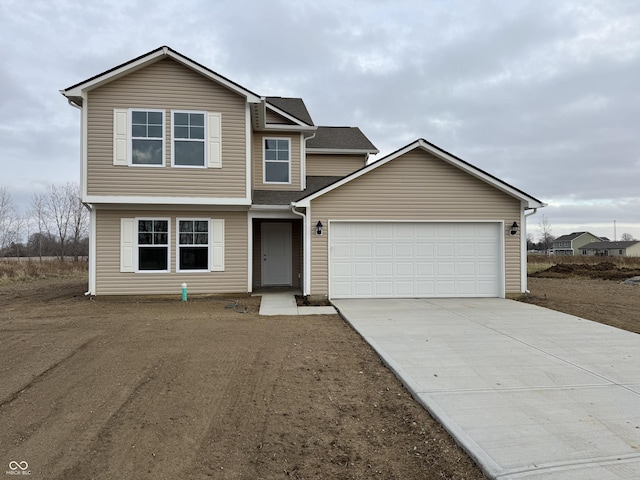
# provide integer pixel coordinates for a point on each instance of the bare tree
(59, 214)
(79, 217)
(627, 237)
(8, 220)
(546, 238)
(38, 214)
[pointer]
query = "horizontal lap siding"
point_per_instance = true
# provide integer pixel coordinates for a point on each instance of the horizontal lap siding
(166, 85)
(258, 158)
(110, 281)
(420, 187)
(333, 165)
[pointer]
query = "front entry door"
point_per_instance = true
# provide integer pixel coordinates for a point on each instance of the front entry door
(276, 254)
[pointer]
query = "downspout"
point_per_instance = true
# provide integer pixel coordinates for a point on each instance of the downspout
(305, 247)
(92, 213)
(92, 249)
(524, 240)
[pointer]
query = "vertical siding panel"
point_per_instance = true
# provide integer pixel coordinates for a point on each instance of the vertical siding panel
(420, 187)
(166, 85)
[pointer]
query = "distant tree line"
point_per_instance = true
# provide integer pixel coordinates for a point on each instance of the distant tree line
(56, 224)
(546, 238)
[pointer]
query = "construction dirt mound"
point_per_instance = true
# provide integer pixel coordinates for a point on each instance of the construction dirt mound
(603, 271)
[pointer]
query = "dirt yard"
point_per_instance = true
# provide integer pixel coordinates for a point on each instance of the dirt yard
(594, 292)
(160, 389)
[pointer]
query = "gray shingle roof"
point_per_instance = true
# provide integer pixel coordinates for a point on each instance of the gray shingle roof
(605, 245)
(293, 106)
(341, 138)
(285, 197)
(569, 237)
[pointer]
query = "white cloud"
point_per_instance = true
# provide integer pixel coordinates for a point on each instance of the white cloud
(540, 93)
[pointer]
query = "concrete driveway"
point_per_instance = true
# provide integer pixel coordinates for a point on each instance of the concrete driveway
(528, 392)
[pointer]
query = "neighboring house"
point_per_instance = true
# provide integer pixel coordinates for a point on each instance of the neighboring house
(572, 244)
(193, 178)
(613, 249)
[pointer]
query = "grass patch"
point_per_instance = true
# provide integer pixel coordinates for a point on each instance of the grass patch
(22, 270)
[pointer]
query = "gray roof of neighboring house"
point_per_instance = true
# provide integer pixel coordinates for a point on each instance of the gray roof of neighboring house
(285, 197)
(341, 138)
(293, 106)
(569, 237)
(607, 245)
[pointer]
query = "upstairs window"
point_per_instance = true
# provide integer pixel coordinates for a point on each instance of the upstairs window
(147, 137)
(277, 163)
(188, 139)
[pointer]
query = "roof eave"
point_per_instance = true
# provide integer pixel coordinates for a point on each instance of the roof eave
(286, 115)
(149, 58)
(529, 201)
(337, 151)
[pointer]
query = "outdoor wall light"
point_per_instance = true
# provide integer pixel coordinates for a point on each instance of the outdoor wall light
(319, 227)
(514, 228)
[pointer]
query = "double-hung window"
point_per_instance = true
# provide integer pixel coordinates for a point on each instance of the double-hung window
(189, 147)
(194, 252)
(153, 245)
(147, 137)
(277, 160)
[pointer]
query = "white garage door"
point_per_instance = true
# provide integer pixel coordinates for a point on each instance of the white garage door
(394, 259)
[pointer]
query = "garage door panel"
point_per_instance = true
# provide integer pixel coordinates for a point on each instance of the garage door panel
(384, 269)
(445, 249)
(384, 250)
(410, 259)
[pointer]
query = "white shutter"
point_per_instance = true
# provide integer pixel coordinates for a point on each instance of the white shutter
(217, 245)
(120, 136)
(214, 140)
(127, 244)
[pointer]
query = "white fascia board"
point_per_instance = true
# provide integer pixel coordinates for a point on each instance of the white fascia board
(342, 151)
(114, 74)
(529, 201)
(130, 200)
(480, 175)
(272, 212)
(154, 57)
(295, 128)
(285, 114)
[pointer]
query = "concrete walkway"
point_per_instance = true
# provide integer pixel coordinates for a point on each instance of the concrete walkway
(283, 303)
(528, 392)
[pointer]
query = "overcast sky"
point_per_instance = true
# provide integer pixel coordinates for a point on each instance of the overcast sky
(544, 94)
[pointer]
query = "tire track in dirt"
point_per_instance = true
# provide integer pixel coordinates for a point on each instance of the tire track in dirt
(43, 375)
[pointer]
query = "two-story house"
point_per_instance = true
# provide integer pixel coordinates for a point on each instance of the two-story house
(573, 243)
(192, 178)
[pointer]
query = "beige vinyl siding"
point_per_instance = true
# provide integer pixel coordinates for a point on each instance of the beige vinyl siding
(165, 85)
(333, 165)
(258, 159)
(110, 281)
(277, 119)
(416, 186)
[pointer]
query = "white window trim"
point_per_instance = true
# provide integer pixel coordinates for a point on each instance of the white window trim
(209, 245)
(204, 140)
(264, 160)
(130, 138)
(136, 251)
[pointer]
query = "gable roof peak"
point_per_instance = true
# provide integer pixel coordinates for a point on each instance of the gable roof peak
(75, 92)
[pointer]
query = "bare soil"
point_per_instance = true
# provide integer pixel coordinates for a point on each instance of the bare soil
(595, 292)
(160, 389)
